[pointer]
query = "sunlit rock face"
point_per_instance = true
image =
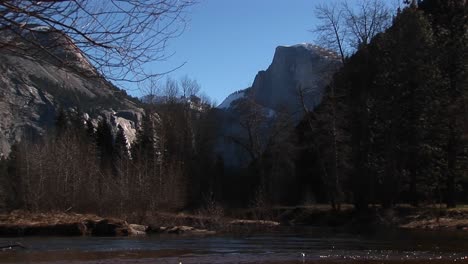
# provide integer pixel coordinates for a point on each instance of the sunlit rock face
(303, 67)
(36, 83)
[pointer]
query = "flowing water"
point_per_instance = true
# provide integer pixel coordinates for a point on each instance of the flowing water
(304, 245)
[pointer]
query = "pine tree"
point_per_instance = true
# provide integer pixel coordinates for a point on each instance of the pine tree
(144, 147)
(147, 182)
(410, 84)
(4, 191)
(449, 22)
(61, 122)
(90, 131)
(104, 143)
(14, 177)
(121, 145)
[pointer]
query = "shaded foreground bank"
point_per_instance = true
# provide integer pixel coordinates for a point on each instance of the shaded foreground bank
(172, 257)
(21, 223)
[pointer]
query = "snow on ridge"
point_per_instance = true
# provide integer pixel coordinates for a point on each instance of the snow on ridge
(312, 47)
(308, 46)
(41, 28)
(231, 98)
(321, 51)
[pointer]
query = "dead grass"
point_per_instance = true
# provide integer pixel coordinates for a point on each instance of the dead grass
(23, 218)
(316, 207)
(437, 224)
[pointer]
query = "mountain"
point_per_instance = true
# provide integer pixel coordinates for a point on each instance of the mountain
(42, 71)
(302, 66)
(274, 92)
(231, 98)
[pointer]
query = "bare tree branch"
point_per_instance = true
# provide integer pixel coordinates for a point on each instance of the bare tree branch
(331, 32)
(344, 27)
(189, 86)
(117, 37)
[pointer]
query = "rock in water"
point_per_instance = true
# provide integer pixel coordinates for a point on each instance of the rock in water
(137, 230)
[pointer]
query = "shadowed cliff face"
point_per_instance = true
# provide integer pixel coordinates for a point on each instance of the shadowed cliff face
(275, 92)
(36, 82)
(302, 66)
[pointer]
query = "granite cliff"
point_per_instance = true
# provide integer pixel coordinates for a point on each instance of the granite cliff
(41, 72)
(301, 66)
(275, 91)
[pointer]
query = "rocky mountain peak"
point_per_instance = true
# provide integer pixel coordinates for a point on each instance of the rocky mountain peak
(47, 44)
(276, 89)
(41, 71)
(301, 66)
(306, 49)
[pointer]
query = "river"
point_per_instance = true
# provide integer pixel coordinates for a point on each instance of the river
(287, 245)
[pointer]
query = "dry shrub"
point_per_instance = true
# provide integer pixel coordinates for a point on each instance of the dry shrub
(211, 214)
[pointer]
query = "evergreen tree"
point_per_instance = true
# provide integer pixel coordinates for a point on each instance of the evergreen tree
(395, 115)
(121, 145)
(449, 22)
(144, 147)
(147, 182)
(104, 144)
(61, 122)
(90, 131)
(405, 112)
(14, 177)
(4, 191)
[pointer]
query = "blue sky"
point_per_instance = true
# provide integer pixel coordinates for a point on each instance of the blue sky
(227, 42)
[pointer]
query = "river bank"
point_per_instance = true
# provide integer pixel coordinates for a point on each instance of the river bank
(406, 217)
(403, 216)
(21, 223)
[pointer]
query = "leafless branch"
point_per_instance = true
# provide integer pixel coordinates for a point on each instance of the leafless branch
(117, 37)
(344, 27)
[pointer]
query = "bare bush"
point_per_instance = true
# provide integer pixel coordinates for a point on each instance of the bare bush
(213, 210)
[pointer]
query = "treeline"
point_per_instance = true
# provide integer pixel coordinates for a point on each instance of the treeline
(87, 167)
(393, 127)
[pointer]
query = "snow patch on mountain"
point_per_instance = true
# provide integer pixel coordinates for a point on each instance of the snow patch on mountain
(41, 28)
(231, 98)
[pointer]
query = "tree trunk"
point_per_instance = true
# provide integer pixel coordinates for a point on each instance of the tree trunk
(451, 167)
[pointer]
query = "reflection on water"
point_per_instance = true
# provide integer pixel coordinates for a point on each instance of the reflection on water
(284, 246)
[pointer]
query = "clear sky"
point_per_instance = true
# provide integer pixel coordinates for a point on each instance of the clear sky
(227, 42)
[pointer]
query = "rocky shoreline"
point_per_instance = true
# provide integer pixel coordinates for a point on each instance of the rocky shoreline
(20, 223)
(65, 224)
